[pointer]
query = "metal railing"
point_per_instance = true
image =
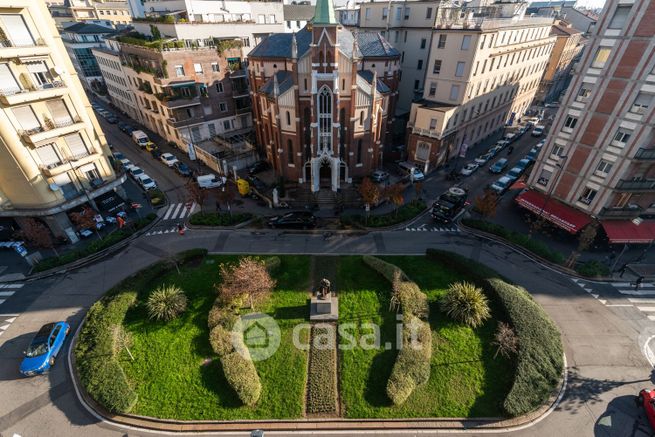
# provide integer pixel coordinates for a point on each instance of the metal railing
(625, 212)
(636, 185)
(646, 154)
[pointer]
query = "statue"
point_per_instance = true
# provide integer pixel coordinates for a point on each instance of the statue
(324, 289)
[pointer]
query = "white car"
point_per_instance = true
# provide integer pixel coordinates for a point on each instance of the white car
(501, 185)
(540, 144)
(482, 159)
(168, 158)
(538, 130)
(145, 181)
(135, 171)
(469, 168)
(126, 164)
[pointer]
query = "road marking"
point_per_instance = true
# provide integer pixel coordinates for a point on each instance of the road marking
(651, 318)
(646, 309)
(594, 295)
(619, 305)
(6, 293)
(637, 292)
(10, 320)
(644, 300)
(168, 212)
(4, 327)
(2, 300)
(12, 285)
(632, 284)
(174, 215)
(603, 301)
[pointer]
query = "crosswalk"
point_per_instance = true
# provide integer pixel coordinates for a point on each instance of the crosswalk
(161, 231)
(8, 290)
(179, 211)
(5, 321)
(426, 228)
(642, 297)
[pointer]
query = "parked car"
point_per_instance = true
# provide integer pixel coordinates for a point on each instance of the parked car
(532, 120)
(168, 158)
(42, 352)
(209, 181)
(551, 105)
(123, 126)
(532, 154)
(540, 144)
(470, 168)
(125, 164)
(498, 166)
(510, 137)
(411, 170)
(135, 171)
(646, 399)
(118, 156)
(111, 119)
(295, 220)
(449, 205)
(538, 130)
(501, 185)
(151, 146)
(155, 153)
(182, 169)
(146, 182)
(482, 159)
(503, 143)
(258, 167)
(515, 173)
(494, 150)
(379, 176)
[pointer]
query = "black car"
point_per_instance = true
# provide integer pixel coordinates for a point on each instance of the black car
(258, 167)
(257, 183)
(182, 169)
(111, 119)
(295, 220)
(126, 127)
(449, 204)
(155, 154)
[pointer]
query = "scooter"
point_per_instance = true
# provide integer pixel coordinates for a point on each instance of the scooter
(510, 150)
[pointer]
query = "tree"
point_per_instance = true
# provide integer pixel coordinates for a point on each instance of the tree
(85, 220)
(195, 193)
(586, 238)
(486, 203)
(246, 281)
(37, 234)
(370, 194)
(418, 188)
(226, 196)
(154, 31)
(505, 340)
(465, 303)
(395, 194)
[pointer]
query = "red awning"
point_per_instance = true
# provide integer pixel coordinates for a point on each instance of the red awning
(625, 231)
(554, 211)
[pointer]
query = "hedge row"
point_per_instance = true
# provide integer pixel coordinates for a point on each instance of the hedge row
(534, 246)
(97, 363)
(321, 382)
(93, 247)
(540, 357)
(95, 350)
(218, 218)
(402, 214)
(412, 366)
(242, 376)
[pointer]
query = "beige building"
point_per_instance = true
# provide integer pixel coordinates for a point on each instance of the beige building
(567, 48)
(598, 158)
(53, 155)
(482, 73)
(113, 13)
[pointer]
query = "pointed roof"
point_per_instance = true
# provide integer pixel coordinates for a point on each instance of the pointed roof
(324, 13)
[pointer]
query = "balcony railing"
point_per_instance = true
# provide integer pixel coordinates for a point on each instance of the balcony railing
(636, 185)
(51, 129)
(185, 122)
(15, 95)
(625, 212)
(645, 154)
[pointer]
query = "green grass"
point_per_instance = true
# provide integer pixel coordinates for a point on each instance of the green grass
(177, 375)
(465, 380)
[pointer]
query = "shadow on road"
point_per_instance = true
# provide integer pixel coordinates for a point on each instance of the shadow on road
(622, 418)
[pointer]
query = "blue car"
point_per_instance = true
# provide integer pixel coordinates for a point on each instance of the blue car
(41, 354)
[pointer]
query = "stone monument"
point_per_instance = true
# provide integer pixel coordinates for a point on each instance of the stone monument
(324, 306)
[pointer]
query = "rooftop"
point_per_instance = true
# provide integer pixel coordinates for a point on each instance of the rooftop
(88, 28)
(298, 12)
(284, 83)
(558, 29)
(367, 75)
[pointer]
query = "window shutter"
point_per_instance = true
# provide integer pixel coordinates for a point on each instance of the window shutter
(75, 144)
(48, 155)
(58, 112)
(17, 30)
(26, 118)
(8, 84)
(37, 67)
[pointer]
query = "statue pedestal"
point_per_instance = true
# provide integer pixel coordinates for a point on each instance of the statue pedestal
(324, 309)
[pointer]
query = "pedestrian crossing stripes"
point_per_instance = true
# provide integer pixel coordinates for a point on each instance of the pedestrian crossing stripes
(5, 321)
(162, 231)
(8, 290)
(425, 228)
(640, 291)
(178, 211)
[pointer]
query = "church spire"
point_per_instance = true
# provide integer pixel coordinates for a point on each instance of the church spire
(324, 12)
(294, 47)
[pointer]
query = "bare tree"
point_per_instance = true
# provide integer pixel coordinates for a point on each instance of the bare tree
(246, 281)
(370, 194)
(418, 188)
(505, 340)
(395, 194)
(586, 238)
(37, 234)
(226, 196)
(486, 203)
(196, 193)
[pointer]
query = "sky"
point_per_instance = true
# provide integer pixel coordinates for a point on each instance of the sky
(591, 3)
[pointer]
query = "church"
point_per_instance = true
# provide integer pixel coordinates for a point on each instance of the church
(323, 101)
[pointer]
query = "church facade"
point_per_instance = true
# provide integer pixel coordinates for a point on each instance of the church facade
(323, 100)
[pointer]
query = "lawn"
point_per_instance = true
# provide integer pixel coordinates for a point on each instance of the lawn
(175, 371)
(465, 380)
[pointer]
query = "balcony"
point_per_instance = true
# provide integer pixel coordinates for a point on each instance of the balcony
(67, 164)
(16, 96)
(628, 212)
(9, 50)
(185, 122)
(645, 154)
(174, 102)
(52, 130)
(642, 186)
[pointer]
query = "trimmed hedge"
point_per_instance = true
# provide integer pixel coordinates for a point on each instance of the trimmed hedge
(592, 269)
(272, 262)
(321, 381)
(534, 246)
(221, 340)
(98, 367)
(93, 247)
(220, 316)
(218, 218)
(403, 214)
(242, 376)
(540, 357)
(412, 366)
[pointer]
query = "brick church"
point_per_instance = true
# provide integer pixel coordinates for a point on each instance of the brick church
(323, 100)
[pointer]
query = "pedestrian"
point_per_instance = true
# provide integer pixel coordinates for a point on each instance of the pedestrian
(638, 282)
(218, 205)
(180, 229)
(622, 270)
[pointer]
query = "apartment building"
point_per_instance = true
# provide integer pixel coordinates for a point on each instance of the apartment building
(322, 101)
(53, 155)
(567, 48)
(598, 161)
(483, 70)
(117, 85)
(79, 40)
(186, 91)
(348, 15)
(297, 16)
(109, 13)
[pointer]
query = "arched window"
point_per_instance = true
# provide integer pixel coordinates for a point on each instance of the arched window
(275, 66)
(307, 119)
(359, 151)
(325, 118)
(288, 118)
(361, 118)
(320, 56)
(290, 150)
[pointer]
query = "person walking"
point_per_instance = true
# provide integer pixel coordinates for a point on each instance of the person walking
(622, 270)
(638, 282)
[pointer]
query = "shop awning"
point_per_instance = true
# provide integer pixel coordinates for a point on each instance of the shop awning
(625, 231)
(554, 211)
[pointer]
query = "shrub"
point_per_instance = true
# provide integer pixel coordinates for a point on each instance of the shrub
(321, 380)
(166, 303)
(95, 353)
(465, 303)
(247, 281)
(221, 340)
(220, 316)
(412, 300)
(402, 214)
(218, 218)
(242, 376)
(388, 270)
(156, 197)
(592, 268)
(272, 263)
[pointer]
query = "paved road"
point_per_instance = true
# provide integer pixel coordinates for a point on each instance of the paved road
(603, 343)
